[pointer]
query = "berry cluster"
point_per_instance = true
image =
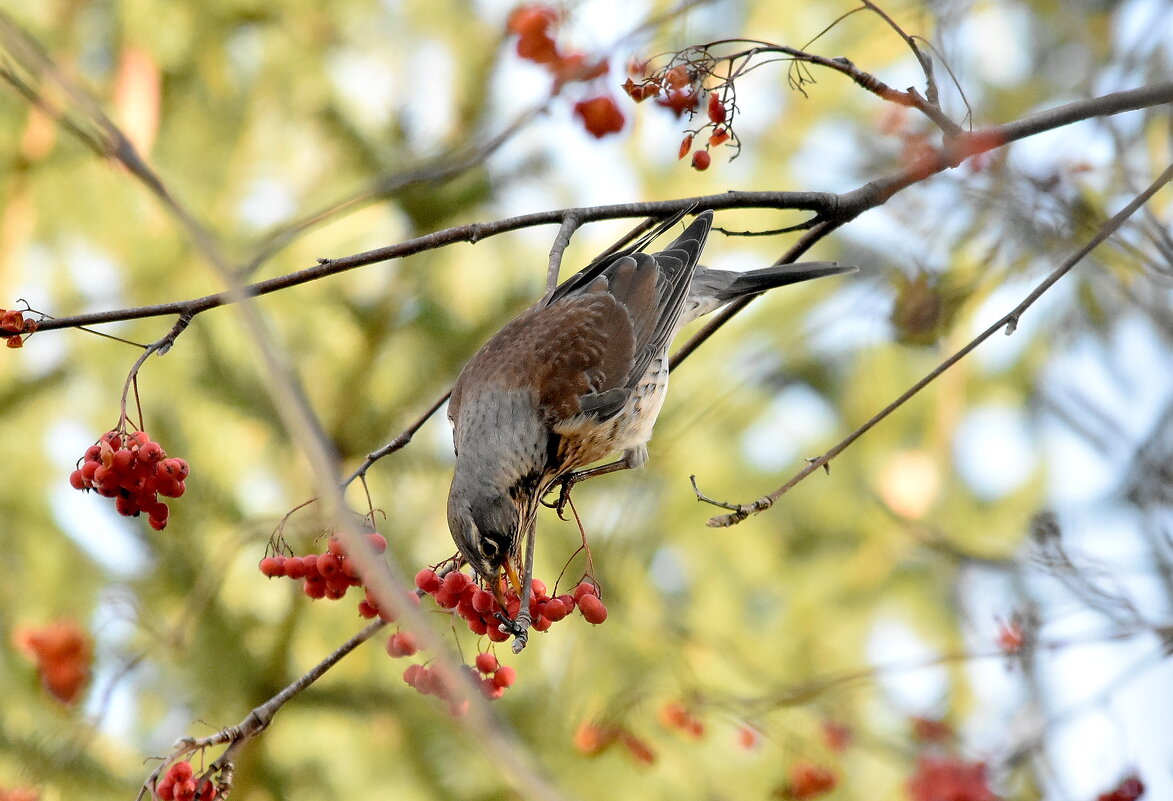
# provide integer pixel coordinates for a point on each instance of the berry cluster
(134, 471)
(326, 575)
(536, 26)
(13, 324)
(1129, 789)
(675, 715)
(180, 784)
(480, 609)
(62, 653)
(806, 780)
(493, 678)
(946, 777)
(593, 738)
(680, 89)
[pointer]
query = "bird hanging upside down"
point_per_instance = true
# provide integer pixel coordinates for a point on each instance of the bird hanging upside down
(577, 377)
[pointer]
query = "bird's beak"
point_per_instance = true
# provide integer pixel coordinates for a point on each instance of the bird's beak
(507, 573)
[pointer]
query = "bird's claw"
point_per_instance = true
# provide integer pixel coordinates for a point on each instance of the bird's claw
(519, 628)
(564, 485)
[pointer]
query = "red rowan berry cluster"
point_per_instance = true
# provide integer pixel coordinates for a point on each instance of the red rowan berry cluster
(681, 87)
(492, 677)
(19, 794)
(62, 653)
(947, 777)
(592, 739)
(1129, 789)
(536, 26)
(480, 609)
(181, 784)
(134, 471)
(675, 715)
(326, 575)
(806, 780)
(13, 324)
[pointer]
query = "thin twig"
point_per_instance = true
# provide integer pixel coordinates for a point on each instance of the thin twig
(1008, 322)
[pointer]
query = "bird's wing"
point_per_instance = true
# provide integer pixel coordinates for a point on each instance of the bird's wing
(655, 323)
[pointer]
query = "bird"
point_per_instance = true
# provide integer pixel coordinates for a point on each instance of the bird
(577, 377)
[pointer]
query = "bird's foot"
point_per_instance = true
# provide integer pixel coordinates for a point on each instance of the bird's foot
(519, 628)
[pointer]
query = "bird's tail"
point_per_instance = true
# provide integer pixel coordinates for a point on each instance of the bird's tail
(714, 288)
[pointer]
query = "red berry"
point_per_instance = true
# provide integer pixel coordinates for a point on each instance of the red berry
(165, 790)
(486, 662)
(555, 610)
(77, 479)
(367, 610)
(504, 676)
(272, 566)
(93, 453)
(328, 565)
(151, 452)
(181, 771)
(455, 582)
(427, 580)
(592, 609)
(159, 521)
(495, 634)
(170, 488)
(314, 587)
(122, 461)
(411, 674)
(310, 563)
(294, 568)
(378, 541)
(137, 440)
(538, 588)
(335, 547)
(478, 626)
(701, 160)
(401, 643)
(585, 588)
(542, 623)
(483, 601)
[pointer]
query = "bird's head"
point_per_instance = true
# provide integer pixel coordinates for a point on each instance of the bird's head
(487, 529)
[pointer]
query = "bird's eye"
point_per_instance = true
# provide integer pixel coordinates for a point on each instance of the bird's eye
(489, 548)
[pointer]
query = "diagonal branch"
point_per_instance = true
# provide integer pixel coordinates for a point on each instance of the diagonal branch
(1008, 323)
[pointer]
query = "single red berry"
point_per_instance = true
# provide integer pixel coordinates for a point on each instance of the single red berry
(272, 566)
(77, 479)
(334, 546)
(585, 588)
(401, 643)
(478, 626)
(367, 610)
(165, 790)
(495, 634)
(592, 609)
(427, 580)
(122, 461)
(151, 452)
(701, 160)
(170, 488)
(555, 610)
(455, 582)
(411, 674)
(159, 521)
(181, 771)
(93, 453)
(542, 623)
(328, 565)
(483, 601)
(487, 663)
(314, 587)
(378, 541)
(504, 676)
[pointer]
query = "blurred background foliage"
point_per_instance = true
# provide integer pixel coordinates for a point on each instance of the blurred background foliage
(868, 598)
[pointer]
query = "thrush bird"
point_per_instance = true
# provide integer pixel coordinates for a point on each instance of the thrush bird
(573, 379)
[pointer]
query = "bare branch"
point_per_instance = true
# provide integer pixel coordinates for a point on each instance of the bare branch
(1007, 323)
